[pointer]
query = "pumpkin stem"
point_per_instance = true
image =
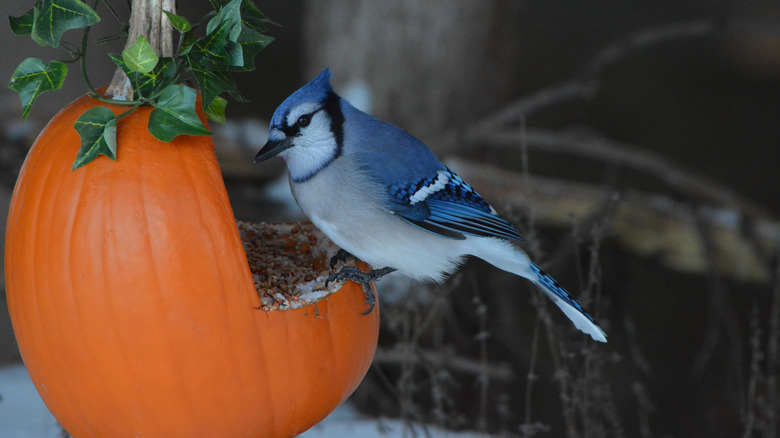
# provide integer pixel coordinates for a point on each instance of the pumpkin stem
(147, 19)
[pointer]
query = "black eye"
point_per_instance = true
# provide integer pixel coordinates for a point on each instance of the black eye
(304, 120)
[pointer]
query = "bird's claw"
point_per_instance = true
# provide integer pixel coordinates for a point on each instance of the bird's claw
(364, 278)
(341, 256)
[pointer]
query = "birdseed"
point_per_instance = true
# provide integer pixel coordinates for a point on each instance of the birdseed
(289, 263)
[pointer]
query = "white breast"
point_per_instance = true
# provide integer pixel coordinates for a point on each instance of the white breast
(347, 207)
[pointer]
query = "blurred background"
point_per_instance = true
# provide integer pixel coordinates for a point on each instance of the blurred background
(633, 144)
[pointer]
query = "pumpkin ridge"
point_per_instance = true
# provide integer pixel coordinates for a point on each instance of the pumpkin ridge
(43, 301)
(129, 363)
(230, 324)
(159, 297)
(99, 272)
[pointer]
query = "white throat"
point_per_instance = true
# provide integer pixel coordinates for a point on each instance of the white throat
(312, 153)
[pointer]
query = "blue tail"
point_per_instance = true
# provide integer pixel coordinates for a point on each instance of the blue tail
(581, 318)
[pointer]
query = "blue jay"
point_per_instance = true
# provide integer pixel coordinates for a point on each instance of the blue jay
(381, 195)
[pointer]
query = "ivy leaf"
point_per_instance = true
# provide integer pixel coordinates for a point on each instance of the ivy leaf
(242, 25)
(251, 43)
(229, 15)
(235, 55)
(210, 62)
(97, 128)
(178, 22)
(55, 17)
(213, 83)
(140, 57)
(189, 40)
(23, 25)
(175, 114)
(146, 84)
(210, 52)
(216, 111)
(34, 77)
(250, 15)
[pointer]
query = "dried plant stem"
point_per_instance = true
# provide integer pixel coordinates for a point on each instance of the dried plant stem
(749, 413)
(771, 370)
(531, 376)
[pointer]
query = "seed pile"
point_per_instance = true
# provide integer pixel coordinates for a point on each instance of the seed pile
(289, 263)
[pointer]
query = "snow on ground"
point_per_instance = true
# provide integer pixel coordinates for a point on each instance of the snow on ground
(23, 415)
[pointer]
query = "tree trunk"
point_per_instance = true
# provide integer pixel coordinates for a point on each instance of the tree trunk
(147, 19)
(429, 65)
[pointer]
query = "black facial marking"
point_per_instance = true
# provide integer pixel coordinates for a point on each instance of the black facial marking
(333, 109)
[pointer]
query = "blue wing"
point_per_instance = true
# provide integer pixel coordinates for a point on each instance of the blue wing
(421, 189)
(446, 205)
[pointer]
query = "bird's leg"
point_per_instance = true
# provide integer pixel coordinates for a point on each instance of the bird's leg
(341, 256)
(364, 278)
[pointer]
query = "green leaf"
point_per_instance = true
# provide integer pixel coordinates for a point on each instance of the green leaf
(97, 128)
(58, 16)
(216, 111)
(140, 57)
(210, 61)
(251, 43)
(178, 22)
(235, 54)
(213, 83)
(189, 40)
(238, 26)
(229, 15)
(250, 15)
(146, 84)
(23, 25)
(34, 34)
(210, 52)
(175, 114)
(34, 77)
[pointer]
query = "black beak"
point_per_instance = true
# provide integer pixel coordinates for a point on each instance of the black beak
(272, 148)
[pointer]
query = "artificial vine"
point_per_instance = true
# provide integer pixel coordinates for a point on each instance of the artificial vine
(223, 42)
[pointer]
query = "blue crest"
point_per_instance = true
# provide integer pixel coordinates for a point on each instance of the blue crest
(315, 91)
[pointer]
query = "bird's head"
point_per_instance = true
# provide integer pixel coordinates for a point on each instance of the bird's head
(307, 129)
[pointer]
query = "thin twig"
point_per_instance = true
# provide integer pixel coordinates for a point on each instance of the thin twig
(722, 318)
(749, 411)
(584, 84)
(772, 347)
(627, 156)
(501, 372)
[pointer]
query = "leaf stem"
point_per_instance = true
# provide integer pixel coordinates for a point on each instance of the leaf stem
(114, 13)
(83, 56)
(137, 103)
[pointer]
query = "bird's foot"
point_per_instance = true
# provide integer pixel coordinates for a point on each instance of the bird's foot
(341, 256)
(364, 278)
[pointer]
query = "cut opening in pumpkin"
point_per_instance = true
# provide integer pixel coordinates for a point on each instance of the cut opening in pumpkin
(290, 263)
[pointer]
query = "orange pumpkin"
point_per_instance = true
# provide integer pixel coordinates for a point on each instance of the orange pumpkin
(134, 307)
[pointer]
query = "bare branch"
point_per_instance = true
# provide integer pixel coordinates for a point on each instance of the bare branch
(584, 85)
(648, 224)
(501, 371)
(628, 156)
